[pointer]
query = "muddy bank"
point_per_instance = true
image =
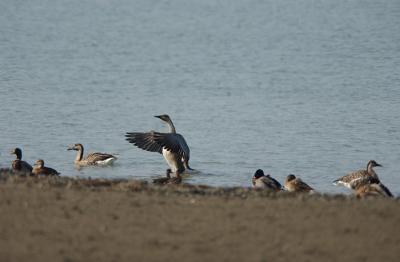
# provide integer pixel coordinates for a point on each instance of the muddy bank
(65, 219)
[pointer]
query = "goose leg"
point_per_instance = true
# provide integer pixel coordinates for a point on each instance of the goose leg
(168, 172)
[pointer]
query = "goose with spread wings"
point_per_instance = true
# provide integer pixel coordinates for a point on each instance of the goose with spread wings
(171, 145)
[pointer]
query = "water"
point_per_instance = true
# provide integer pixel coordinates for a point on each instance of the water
(303, 87)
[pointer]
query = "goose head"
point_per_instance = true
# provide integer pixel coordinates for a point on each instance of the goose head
(164, 118)
(75, 147)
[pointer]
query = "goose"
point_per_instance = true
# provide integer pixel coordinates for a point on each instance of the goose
(40, 169)
(358, 178)
(171, 145)
(294, 184)
(18, 164)
(100, 159)
(373, 189)
(260, 180)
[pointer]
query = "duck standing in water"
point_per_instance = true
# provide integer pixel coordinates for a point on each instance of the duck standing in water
(18, 164)
(260, 180)
(171, 145)
(98, 159)
(294, 184)
(40, 170)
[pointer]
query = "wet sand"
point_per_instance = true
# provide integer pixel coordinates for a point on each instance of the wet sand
(97, 220)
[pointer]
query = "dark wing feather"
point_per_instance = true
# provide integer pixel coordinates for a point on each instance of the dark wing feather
(361, 181)
(146, 141)
(155, 141)
(183, 146)
(386, 190)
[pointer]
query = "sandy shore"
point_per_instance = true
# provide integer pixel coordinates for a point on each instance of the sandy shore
(69, 220)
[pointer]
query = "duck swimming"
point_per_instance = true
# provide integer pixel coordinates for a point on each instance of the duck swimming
(40, 170)
(260, 180)
(171, 145)
(98, 159)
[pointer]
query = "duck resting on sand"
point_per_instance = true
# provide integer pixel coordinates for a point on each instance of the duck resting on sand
(98, 159)
(40, 170)
(171, 145)
(260, 180)
(18, 164)
(294, 184)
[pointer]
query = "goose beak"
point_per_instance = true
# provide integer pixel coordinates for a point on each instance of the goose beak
(158, 116)
(71, 148)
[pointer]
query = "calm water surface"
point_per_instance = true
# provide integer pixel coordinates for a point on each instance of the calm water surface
(303, 87)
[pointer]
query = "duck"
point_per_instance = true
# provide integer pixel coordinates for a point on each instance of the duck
(260, 180)
(361, 177)
(98, 159)
(18, 164)
(40, 169)
(372, 190)
(171, 145)
(295, 184)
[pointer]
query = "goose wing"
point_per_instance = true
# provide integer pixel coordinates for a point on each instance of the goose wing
(185, 151)
(359, 181)
(355, 179)
(385, 190)
(94, 157)
(155, 142)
